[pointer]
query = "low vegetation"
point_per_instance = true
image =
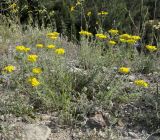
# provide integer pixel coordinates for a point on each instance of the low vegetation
(110, 71)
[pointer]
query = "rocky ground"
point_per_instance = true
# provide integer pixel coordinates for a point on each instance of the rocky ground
(47, 127)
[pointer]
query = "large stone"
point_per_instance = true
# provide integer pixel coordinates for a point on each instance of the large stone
(97, 121)
(35, 132)
(133, 135)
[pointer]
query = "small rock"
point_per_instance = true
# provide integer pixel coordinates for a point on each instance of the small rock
(120, 123)
(106, 116)
(96, 121)
(115, 68)
(126, 138)
(108, 88)
(35, 132)
(2, 118)
(62, 135)
(131, 78)
(45, 117)
(77, 71)
(125, 134)
(104, 69)
(101, 134)
(133, 135)
(80, 133)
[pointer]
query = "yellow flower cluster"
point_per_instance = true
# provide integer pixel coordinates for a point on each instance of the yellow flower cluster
(151, 48)
(51, 46)
(135, 37)
(126, 38)
(32, 58)
(141, 83)
(113, 31)
(124, 70)
(101, 36)
(39, 45)
(22, 49)
(9, 68)
(33, 81)
(112, 43)
(85, 33)
(60, 51)
(103, 13)
(37, 70)
(53, 35)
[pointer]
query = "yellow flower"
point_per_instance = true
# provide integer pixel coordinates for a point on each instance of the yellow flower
(101, 36)
(151, 48)
(22, 49)
(131, 41)
(9, 68)
(72, 8)
(37, 70)
(134, 37)
(141, 83)
(89, 13)
(33, 81)
(51, 46)
(122, 40)
(85, 33)
(53, 35)
(32, 58)
(103, 13)
(39, 45)
(125, 36)
(26, 49)
(113, 32)
(112, 43)
(124, 70)
(78, 3)
(60, 51)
